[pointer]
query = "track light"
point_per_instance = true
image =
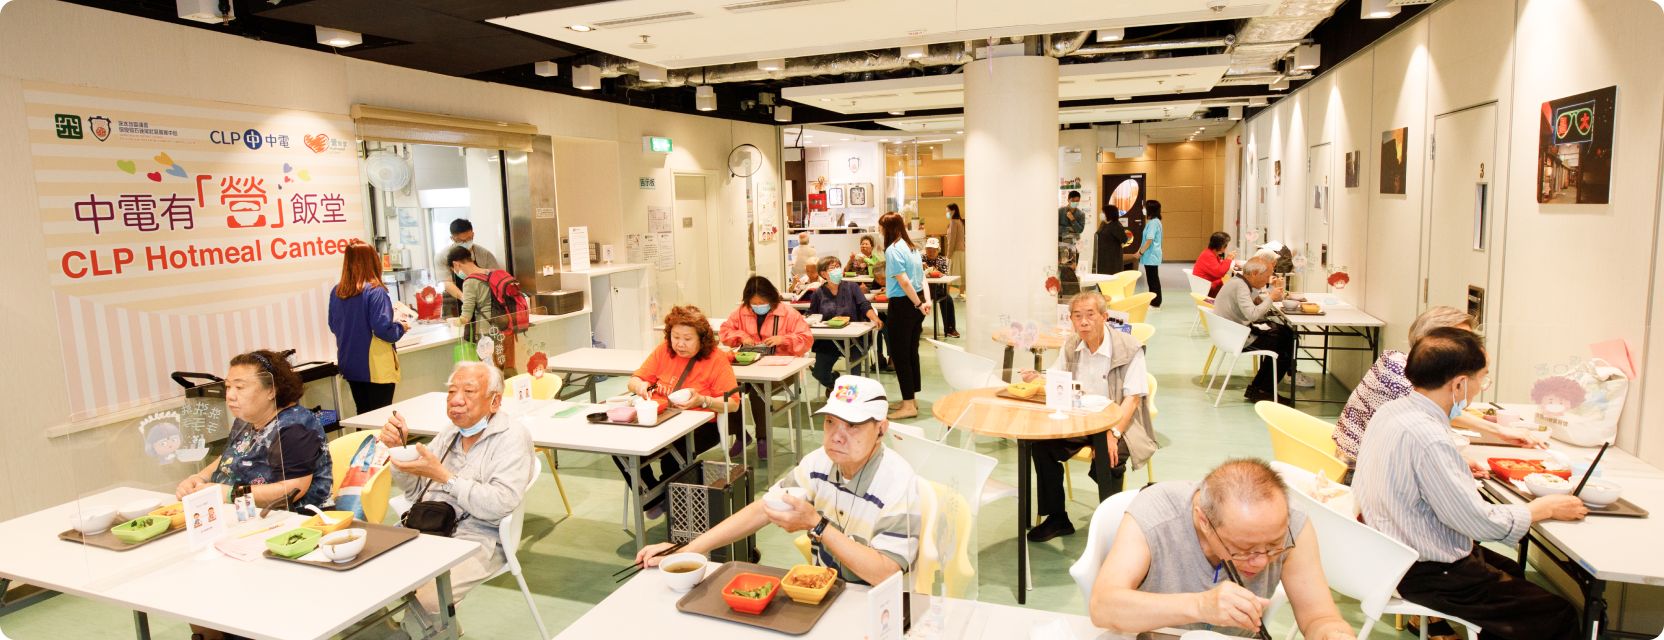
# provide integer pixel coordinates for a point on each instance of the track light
(650, 72)
(1280, 85)
(1308, 56)
(1112, 35)
(782, 113)
(704, 97)
(1235, 112)
(546, 69)
(1258, 102)
(1376, 9)
(773, 64)
(586, 77)
(915, 51)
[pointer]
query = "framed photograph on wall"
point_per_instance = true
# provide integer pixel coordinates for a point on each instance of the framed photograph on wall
(1574, 148)
(835, 196)
(1395, 160)
(1277, 172)
(859, 194)
(1352, 159)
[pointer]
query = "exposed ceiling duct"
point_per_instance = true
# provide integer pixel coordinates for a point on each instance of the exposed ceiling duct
(1158, 45)
(1265, 40)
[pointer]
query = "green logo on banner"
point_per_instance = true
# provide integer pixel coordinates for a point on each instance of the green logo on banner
(68, 126)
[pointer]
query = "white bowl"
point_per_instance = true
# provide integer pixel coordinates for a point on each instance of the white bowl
(344, 551)
(681, 396)
(619, 401)
(139, 509)
(191, 455)
(1540, 490)
(1600, 492)
(681, 582)
(407, 453)
(93, 519)
(775, 499)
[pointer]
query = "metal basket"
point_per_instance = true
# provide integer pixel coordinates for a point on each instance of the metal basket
(703, 495)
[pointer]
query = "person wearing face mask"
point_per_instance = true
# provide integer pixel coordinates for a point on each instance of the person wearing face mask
(688, 359)
(1413, 485)
(462, 235)
(763, 321)
(1071, 221)
(836, 299)
(479, 464)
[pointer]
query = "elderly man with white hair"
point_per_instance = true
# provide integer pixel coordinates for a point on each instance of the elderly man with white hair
(803, 255)
(1245, 301)
(479, 465)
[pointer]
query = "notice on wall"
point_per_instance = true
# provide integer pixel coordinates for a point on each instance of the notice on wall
(170, 219)
(410, 226)
(768, 206)
(666, 258)
(658, 219)
(577, 240)
(633, 250)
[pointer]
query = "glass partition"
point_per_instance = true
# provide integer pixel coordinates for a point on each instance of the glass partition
(500, 340)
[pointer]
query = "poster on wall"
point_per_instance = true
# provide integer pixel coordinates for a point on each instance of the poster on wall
(835, 196)
(1395, 160)
(768, 203)
(1574, 148)
(658, 219)
(1352, 158)
(167, 219)
(1277, 172)
(1126, 192)
(666, 251)
(859, 194)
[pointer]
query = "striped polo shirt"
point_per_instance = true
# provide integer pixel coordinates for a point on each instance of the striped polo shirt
(878, 507)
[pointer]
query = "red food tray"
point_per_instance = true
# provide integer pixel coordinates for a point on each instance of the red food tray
(1533, 466)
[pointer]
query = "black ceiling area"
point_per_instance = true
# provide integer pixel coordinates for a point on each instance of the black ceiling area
(451, 37)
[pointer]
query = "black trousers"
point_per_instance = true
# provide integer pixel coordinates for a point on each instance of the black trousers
(1278, 339)
(1048, 457)
(1484, 588)
(826, 356)
(903, 329)
(949, 325)
(1152, 279)
(369, 396)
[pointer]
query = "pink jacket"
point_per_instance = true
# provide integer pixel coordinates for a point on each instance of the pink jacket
(742, 323)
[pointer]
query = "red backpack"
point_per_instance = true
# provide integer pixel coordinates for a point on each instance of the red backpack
(508, 305)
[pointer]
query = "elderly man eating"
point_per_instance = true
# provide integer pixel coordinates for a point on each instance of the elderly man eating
(479, 465)
(861, 510)
(1167, 567)
(1241, 300)
(1108, 363)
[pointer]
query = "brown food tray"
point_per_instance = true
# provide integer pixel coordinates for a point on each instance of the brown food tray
(1298, 312)
(1623, 508)
(783, 614)
(109, 540)
(382, 539)
(663, 416)
(1039, 397)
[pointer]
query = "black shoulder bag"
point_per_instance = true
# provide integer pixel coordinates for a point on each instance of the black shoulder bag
(432, 517)
(762, 349)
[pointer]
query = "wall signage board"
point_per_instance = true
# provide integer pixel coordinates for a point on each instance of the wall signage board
(182, 232)
(650, 144)
(649, 183)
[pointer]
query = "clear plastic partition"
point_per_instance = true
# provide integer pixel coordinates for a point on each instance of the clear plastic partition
(1016, 331)
(500, 339)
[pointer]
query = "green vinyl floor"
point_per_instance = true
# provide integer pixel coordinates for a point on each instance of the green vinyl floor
(568, 558)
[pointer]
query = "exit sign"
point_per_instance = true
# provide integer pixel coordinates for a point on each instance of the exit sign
(651, 144)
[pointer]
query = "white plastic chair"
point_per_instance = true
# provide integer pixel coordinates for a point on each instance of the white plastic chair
(1200, 287)
(1231, 338)
(963, 370)
(508, 531)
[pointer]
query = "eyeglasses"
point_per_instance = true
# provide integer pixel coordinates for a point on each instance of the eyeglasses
(1484, 383)
(1270, 556)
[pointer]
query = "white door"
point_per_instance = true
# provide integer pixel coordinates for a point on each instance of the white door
(1318, 208)
(1458, 237)
(694, 260)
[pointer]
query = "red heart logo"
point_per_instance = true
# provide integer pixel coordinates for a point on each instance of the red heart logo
(317, 143)
(154, 176)
(288, 179)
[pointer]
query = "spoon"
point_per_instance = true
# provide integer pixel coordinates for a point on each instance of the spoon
(326, 520)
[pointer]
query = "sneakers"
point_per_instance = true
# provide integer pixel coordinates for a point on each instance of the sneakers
(657, 511)
(1260, 395)
(1054, 526)
(1303, 380)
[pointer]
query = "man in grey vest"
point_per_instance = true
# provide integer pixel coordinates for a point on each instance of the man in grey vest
(1167, 566)
(1109, 363)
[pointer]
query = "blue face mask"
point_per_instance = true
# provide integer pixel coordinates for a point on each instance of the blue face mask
(476, 429)
(835, 277)
(1456, 406)
(466, 245)
(759, 309)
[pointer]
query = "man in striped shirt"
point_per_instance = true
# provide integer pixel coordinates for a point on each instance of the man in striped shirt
(861, 508)
(1412, 484)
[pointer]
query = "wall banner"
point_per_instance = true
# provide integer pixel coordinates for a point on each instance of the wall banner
(181, 232)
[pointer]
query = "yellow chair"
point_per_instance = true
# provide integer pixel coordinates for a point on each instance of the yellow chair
(957, 572)
(377, 490)
(1301, 440)
(1136, 307)
(1143, 331)
(1129, 282)
(1085, 453)
(548, 387)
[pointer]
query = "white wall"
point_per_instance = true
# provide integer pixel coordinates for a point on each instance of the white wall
(42, 40)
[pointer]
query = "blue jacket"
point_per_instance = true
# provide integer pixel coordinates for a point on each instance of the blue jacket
(353, 321)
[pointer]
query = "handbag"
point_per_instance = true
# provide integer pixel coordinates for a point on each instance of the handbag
(432, 517)
(762, 350)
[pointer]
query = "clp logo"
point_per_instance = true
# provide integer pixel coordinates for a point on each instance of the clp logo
(250, 138)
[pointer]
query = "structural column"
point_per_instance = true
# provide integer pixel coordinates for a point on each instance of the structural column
(1011, 181)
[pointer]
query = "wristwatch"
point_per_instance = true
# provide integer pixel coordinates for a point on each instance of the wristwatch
(820, 528)
(448, 485)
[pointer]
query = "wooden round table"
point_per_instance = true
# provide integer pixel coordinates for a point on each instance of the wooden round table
(1025, 422)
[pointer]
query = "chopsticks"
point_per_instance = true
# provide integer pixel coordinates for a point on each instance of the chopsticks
(643, 564)
(1591, 471)
(1230, 570)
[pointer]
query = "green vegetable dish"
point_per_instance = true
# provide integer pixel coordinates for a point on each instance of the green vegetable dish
(756, 594)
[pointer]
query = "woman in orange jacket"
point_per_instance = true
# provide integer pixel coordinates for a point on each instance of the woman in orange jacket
(763, 320)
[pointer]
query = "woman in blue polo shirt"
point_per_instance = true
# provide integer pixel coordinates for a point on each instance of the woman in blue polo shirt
(909, 304)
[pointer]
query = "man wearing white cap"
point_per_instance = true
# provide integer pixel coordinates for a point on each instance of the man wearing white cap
(861, 503)
(935, 261)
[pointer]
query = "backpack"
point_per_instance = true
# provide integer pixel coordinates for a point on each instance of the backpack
(508, 305)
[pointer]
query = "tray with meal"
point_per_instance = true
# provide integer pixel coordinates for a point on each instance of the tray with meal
(749, 594)
(1535, 478)
(1024, 391)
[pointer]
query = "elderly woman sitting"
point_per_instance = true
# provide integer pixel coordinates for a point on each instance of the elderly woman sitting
(479, 464)
(688, 359)
(276, 448)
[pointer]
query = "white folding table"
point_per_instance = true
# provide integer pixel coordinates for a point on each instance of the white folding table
(164, 578)
(1336, 322)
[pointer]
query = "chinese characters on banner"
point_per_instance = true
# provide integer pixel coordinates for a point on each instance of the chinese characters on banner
(182, 232)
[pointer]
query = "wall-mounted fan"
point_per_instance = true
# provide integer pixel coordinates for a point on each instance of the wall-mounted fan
(387, 171)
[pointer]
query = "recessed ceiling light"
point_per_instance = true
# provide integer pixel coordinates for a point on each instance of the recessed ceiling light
(961, 132)
(843, 139)
(825, 99)
(338, 37)
(897, 113)
(883, 139)
(581, 28)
